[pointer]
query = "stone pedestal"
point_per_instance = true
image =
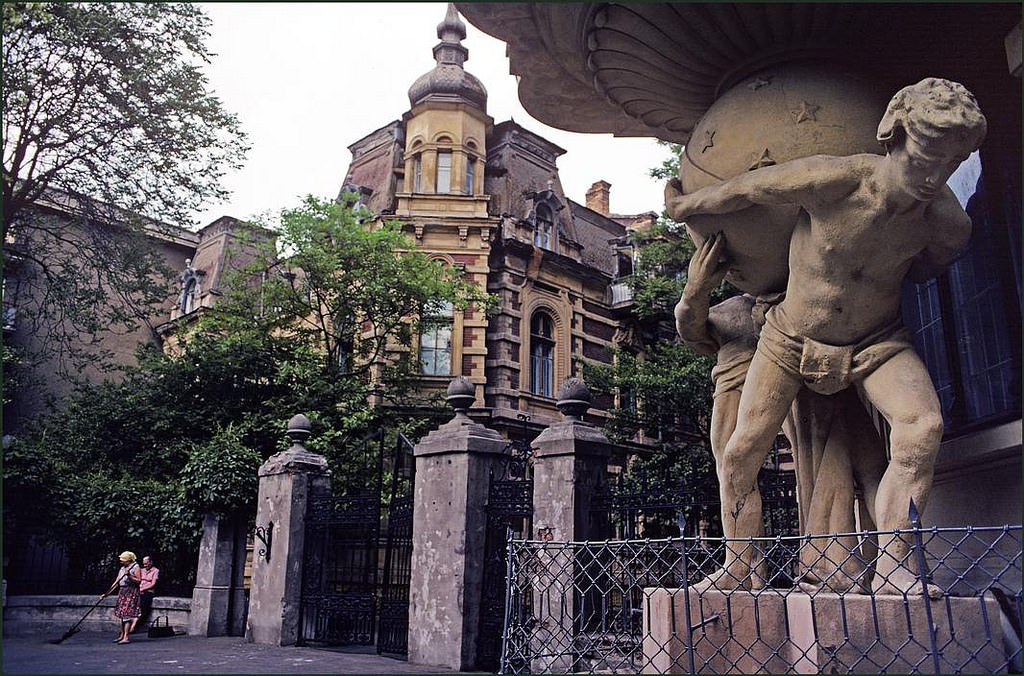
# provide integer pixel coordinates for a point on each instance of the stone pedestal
(453, 465)
(783, 632)
(218, 599)
(286, 481)
(570, 465)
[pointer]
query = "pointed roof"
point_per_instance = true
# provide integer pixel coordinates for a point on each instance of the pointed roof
(449, 81)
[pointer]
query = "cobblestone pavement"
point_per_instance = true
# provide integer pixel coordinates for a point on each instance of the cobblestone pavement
(95, 653)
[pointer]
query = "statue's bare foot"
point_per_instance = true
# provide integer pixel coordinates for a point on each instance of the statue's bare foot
(837, 582)
(725, 579)
(902, 581)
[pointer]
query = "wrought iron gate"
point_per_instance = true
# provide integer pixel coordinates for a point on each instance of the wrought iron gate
(509, 515)
(393, 627)
(347, 600)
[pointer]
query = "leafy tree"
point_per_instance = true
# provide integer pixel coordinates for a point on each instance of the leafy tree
(304, 328)
(109, 133)
(108, 101)
(664, 389)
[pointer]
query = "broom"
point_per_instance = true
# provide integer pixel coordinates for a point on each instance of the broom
(74, 628)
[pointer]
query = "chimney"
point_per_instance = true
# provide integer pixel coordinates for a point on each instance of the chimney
(597, 197)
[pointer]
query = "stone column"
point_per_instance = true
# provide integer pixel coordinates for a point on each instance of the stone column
(453, 465)
(571, 463)
(287, 479)
(218, 599)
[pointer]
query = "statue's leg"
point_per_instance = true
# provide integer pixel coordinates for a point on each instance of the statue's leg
(902, 391)
(767, 394)
(838, 564)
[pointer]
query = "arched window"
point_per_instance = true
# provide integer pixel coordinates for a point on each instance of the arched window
(542, 354)
(436, 341)
(543, 227)
(444, 171)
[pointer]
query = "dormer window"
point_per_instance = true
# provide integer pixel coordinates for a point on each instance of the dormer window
(444, 172)
(542, 233)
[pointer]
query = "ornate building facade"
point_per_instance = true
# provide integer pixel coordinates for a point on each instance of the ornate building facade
(486, 197)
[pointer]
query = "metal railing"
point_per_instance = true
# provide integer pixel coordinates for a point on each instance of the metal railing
(810, 604)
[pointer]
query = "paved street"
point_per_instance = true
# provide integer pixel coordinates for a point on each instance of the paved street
(94, 653)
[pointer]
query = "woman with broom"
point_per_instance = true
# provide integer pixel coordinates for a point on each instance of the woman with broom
(129, 606)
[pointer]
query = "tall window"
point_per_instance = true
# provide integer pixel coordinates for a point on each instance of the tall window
(544, 226)
(542, 355)
(962, 321)
(469, 175)
(444, 171)
(417, 173)
(436, 341)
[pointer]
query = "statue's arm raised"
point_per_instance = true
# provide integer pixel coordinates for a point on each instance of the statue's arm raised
(706, 271)
(951, 228)
(803, 182)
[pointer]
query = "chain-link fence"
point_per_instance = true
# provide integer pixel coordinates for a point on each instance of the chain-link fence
(935, 600)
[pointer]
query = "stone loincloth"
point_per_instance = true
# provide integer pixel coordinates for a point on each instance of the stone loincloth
(730, 372)
(827, 369)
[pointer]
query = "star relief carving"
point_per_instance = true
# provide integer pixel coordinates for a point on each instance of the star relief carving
(765, 160)
(807, 112)
(760, 81)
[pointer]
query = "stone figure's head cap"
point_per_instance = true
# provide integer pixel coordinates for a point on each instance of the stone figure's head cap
(934, 108)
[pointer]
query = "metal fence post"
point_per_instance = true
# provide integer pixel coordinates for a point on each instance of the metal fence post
(509, 585)
(684, 562)
(922, 572)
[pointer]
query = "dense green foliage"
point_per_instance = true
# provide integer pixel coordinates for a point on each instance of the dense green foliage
(664, 389)
(109, 133)
(141, 460)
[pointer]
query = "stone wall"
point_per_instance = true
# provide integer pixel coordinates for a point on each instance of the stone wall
(55, 614)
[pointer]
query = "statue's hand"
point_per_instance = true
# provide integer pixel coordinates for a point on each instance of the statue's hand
(675, 200)
(707, 266)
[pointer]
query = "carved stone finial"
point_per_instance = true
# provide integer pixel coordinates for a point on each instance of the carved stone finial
(451, 29)
(449, 80)
(573, 399)
(299, 429)
(461, 394)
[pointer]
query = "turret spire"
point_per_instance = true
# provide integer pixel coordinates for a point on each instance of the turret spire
(449, 80)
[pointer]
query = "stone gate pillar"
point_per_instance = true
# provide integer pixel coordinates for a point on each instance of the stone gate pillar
(218, 599)
(453, 465)
(570, 465)
(287, 479)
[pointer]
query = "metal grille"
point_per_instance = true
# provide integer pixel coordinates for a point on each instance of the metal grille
(509, 513)
(653, 606)
(393, 628)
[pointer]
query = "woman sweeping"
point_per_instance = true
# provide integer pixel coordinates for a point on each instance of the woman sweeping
(129, 605)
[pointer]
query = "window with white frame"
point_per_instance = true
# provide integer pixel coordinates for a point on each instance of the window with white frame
(436, 341)
(444, 171)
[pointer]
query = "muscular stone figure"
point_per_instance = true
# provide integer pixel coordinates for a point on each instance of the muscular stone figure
(866, 223)
(834, 442)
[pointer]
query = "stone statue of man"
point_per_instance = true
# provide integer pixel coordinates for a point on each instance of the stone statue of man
(866, 223)
(834, 443)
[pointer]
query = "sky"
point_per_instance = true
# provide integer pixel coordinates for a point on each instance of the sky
(308, 79)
